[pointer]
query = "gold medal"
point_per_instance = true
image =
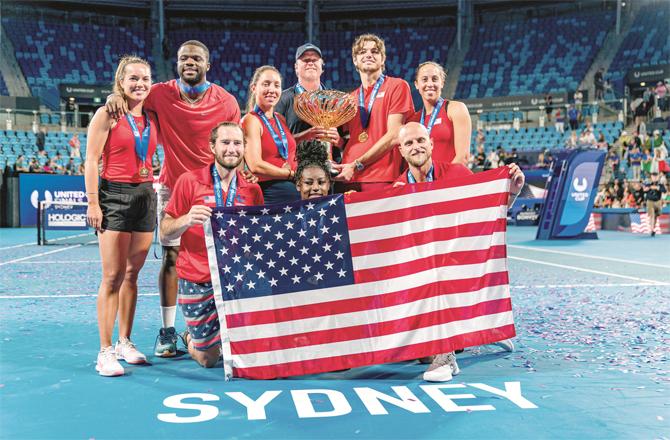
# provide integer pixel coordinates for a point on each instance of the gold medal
(362, 137)
(144, 172)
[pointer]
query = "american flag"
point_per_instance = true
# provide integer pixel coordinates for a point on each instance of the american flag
(367, 278)
(639, 223)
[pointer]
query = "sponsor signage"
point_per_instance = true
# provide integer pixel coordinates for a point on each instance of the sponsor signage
(649, 73)
(34, 188)
(65, 217)
(509, 102)
(84, 91)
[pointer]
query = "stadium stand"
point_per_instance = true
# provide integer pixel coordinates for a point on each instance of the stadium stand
(531, 57)
(51, 53)
(647, 44)
(3, 87)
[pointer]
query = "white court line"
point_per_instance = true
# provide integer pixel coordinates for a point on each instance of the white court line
(41, 254)
(33, 243)
(574, 254)
(520, 287)
(74, 295)
(563, 266)
(76, 262)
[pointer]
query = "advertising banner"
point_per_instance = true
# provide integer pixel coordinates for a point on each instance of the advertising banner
(34, 188)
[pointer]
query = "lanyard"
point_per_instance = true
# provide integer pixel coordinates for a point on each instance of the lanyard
(141, 140)
(365, 113)
(195, 90)
(281, 143)
(429, 177)
(433, 116)
(218, 190)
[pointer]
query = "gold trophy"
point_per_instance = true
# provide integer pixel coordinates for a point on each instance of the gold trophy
(327, 109)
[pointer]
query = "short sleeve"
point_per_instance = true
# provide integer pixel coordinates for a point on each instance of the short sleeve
(181, 197)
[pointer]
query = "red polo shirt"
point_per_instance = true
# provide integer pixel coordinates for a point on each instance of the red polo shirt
(185, 128)
(442, 171)
(193, 188)
(394, 97)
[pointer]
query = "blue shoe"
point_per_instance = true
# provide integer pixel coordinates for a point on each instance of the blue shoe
(166, 343)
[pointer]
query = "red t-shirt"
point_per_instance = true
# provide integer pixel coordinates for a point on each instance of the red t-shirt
(119, 160)
(185, 129)
(442, 134)
(442, 171)
(269, 150)
(394, 97)
(191, 189)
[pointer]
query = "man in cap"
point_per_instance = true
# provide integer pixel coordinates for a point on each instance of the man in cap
(308, 68)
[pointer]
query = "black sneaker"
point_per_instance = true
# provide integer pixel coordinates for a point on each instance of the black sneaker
(166, 343)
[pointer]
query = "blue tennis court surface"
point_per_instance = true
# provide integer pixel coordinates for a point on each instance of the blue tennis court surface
(592, 359)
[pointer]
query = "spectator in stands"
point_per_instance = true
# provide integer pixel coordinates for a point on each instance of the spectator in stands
(481, 138)
(599, 83)
(635, 158)
(662, 95)
(122, 208)
(640, 111)
(559, 121)
(512, 157)
(480, 158)
(369, 160)
(308, 68)
(34, 166)
(270, 151)
(448, 122)
(586, 138)
(660, 153)
(612, 161)
(653, 190)
(20, 166)
(579, 99)
(572, 141)
(69, 115)
(71, 167)
(75, 146)
(601, 142)
(646, 162)
(628, 200)
(40, 140)
(638, 193)
(81, 169)
(573, 117)
(548, 106)
(188, 107)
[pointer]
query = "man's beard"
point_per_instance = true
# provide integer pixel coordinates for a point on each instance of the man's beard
(418, 161)
(228, 166)
(194, 81)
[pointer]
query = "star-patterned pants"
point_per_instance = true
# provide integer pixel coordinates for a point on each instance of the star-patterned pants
(197, 305)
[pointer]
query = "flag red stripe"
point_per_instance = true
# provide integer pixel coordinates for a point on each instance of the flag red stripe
(449, 259)
(372, 330)
(409, 352)
(488, 176)
(419, 238)
(424, 211)
(367, 303)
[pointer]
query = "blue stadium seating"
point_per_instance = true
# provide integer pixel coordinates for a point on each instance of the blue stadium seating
(538, 138)
(50, 53)
(531, 57)
(3, 87)
(16, 142)
(646, 44)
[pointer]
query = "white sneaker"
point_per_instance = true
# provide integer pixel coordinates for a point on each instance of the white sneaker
(443, 368)
(506, 345)
(126, 351)
(107, 365)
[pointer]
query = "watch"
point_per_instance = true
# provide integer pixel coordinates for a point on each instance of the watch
(359, 165)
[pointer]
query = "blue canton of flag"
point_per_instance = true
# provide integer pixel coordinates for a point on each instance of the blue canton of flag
(273, 249)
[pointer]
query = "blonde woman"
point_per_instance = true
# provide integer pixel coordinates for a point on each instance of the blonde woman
(122, 208)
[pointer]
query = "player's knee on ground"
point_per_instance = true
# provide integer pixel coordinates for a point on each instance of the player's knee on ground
(209, 358)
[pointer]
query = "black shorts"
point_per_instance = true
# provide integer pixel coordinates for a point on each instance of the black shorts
(127, 207)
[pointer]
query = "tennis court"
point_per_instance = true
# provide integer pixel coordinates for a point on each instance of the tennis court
(592, 359)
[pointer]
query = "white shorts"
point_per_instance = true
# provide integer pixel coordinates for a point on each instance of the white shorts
(164, 194)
